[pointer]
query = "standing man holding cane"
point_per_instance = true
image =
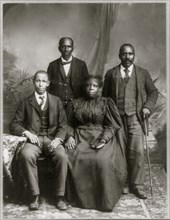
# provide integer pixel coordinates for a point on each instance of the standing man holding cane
(135, 95)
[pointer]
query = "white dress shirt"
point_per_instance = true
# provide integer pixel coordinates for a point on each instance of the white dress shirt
(66, 66)
(39, 100)
(122, 72)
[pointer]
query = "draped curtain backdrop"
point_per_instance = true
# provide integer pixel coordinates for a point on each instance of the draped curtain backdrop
(31, 33)
(106, 16)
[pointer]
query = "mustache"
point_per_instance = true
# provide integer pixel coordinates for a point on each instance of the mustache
(128, 60)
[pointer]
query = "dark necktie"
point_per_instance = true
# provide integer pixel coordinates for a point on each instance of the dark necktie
(126, 75)
(42, 102)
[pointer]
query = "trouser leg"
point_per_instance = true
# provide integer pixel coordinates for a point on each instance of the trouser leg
(135, 151)
(59, 159)
(29, 155)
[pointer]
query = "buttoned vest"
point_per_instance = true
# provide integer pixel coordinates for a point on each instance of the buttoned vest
(127, 95)
(67, 89)
(44, 119)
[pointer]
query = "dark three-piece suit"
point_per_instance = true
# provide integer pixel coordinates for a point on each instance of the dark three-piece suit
(47, 124)
(130, 98)
(67, 87)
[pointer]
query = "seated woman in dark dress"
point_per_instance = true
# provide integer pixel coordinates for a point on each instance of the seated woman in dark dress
(95, 150)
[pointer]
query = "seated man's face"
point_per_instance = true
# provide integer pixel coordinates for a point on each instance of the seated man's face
(41, 83)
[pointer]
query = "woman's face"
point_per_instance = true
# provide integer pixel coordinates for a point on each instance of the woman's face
(92, 88)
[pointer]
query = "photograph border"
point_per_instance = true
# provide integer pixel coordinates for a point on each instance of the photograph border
(89, 1)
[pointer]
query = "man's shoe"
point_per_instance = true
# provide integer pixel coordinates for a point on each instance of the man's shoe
(60, 203)
(139, 193)
(125, 190)
(34, 204)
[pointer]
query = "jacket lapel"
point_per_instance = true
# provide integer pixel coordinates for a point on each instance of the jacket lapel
(33, 102)
(61, 70)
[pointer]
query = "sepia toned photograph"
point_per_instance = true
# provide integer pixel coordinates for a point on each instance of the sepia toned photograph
(84, 109)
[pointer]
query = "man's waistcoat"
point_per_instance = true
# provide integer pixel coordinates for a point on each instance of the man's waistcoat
(67, 93)
(44, 120)
(127, 95)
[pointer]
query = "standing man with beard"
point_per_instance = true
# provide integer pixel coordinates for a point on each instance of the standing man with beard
(135, 95)
(67, 73)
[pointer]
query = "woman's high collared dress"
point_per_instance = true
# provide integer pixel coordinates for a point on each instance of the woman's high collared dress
(96, 177)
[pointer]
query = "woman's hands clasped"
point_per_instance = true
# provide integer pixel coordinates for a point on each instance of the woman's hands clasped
(70, 143)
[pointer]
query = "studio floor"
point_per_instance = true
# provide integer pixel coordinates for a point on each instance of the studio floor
(128, 207)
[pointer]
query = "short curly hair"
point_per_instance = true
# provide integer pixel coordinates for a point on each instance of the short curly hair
(40, 71)
(96, 77)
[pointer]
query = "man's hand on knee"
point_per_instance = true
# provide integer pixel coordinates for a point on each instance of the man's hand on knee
(70, 143)
(54, 144)
(32, 137)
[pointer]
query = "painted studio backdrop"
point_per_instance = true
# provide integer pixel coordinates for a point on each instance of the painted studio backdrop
(31, 33)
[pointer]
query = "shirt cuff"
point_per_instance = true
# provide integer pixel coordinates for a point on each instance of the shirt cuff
(23, 133)
(59, 139)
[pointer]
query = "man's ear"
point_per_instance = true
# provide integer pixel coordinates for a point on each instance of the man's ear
(48, 83)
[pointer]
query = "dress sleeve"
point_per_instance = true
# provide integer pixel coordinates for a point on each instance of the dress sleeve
(112, 121)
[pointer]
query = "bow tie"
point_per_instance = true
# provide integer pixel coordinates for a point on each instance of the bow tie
(67, 62)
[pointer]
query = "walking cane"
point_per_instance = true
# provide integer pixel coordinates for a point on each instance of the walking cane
(146, 124)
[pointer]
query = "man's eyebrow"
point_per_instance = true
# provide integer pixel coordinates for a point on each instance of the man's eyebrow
(127, 52)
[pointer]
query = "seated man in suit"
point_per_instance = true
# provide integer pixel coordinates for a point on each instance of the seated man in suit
(67, 73)
(41, 118)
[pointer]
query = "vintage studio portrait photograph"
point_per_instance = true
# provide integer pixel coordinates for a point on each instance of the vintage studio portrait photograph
(84, 110)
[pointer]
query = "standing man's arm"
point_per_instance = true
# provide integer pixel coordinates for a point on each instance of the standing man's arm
(83, 74)
(106, 86)
(49, 71)
(85, 70)
(151, 95)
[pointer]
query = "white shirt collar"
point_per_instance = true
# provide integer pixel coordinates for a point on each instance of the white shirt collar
(122, 70)
(63, 60)
(38, 95)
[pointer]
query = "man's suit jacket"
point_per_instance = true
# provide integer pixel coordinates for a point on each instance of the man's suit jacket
(28, 117)
(57, 77)
(147, 93)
